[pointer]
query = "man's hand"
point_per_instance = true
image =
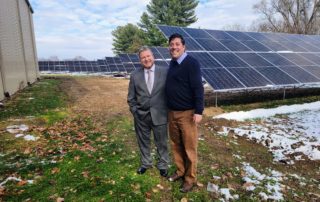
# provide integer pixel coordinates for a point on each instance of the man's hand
(197, 118)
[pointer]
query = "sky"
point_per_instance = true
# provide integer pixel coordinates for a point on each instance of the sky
(83, 27)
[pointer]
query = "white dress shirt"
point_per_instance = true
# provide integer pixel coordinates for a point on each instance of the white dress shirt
(151, 74)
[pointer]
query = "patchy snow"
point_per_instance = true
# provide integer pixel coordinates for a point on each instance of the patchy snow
(263, 113)
(17, 128)
(289, 137)
(212, 187)
(19, 135)
(30, 138)
(14, 179)
(271, 184)
(224, 192)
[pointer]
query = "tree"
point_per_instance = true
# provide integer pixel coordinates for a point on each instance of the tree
(235, 27)
(168, 12)
(290, 16)
(128, 39)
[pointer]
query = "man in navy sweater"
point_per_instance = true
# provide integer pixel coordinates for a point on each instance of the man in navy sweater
(184, 92)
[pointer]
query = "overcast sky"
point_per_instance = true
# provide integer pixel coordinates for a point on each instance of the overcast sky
(83, 27)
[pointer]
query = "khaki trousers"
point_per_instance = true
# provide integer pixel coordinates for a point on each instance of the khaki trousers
(184, 142)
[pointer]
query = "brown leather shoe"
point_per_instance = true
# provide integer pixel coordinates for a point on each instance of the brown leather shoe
(174, 177)
(186, 187)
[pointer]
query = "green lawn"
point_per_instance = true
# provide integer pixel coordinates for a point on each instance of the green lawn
(80, 160)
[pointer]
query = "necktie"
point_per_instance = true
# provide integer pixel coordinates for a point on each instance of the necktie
(149, 81)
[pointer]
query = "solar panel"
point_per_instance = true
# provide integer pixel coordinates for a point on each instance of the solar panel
(197, 33)
(134, 58)
(312, 57)
(211, 45)
(240, 60)
(254, 59)
(124, 57)
(276, 59)
(277, 76)
(225, 80)
(255, 46)
(205, 60)
(229, 60)
(314, 70)
(219, 35)
(239, 35)
(249, 77)
(156, 53)
(297, 59)
(234, 45)
(164, 52)
(299, 74)
(161, 63)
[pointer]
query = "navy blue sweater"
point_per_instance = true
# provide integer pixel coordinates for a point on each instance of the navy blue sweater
(184, 87)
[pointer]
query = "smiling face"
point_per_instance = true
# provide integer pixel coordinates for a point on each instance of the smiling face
(146, 59)
(176, 48)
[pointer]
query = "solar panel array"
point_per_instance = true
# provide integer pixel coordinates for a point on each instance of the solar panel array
(243, 60)
(125, 63)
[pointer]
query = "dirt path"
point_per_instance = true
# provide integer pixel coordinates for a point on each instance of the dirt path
(99, 97)
(104, 97)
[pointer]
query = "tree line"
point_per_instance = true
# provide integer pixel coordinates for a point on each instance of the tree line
(287, 16)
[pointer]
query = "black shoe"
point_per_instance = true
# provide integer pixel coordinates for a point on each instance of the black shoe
(164, 172)
(141, 170)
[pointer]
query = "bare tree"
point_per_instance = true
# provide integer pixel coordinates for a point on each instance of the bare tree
(235, 27)
(290, 16)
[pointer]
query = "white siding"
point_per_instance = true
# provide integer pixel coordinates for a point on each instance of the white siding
(18, 58)
(28, 44)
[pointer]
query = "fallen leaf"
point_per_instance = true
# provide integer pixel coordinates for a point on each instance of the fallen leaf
(160, 186)
(85, 174)
(248, 184)
(199, 184)
(184, 200)
(27, 151)
(22, 182)
(229, 174)
(77, 158)
(60, 199)
(215, 166)
(148, 195)
(55, 170)
(2, 191)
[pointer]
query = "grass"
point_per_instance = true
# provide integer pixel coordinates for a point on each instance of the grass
(37, 100)
(80, 160)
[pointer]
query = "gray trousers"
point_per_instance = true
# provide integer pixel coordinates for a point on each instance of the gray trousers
(143, 130)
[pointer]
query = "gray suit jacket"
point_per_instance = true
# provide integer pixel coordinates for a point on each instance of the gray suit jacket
(141, 102)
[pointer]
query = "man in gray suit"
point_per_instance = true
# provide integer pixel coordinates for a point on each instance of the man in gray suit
(147, 102)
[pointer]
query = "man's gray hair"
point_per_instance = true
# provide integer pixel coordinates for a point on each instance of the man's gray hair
(144, 48)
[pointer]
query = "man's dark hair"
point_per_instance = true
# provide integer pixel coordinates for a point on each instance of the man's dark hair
(176, 35)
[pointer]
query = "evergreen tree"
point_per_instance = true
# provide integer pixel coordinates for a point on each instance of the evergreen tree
(168, 12)
(127, 39)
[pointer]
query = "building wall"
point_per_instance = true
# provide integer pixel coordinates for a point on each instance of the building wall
(28, 42)
(1, 87)
(18, 59)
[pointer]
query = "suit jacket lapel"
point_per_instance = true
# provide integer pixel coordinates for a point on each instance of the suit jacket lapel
(157, 79)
